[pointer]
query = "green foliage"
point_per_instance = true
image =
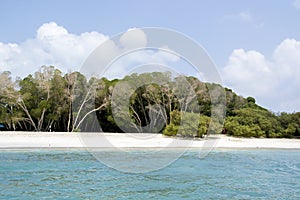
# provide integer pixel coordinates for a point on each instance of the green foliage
(291, 124)
(49, 98)
(171, 130)
(249, 122)
(250, 100)
(235, 128)
(187, 124)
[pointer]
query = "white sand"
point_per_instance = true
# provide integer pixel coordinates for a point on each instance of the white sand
(20, 140)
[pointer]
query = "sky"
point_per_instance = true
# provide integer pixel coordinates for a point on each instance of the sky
(254, 44)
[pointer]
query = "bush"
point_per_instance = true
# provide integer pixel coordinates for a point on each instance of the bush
(187, 124)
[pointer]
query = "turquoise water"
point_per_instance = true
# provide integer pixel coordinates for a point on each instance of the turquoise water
(223, 174)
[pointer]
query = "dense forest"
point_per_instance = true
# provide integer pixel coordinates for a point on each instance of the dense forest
(49, 100)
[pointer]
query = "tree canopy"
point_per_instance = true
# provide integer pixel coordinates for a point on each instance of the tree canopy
(49, 100)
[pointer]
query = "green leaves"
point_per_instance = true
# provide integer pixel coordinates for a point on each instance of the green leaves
(291, 124)
(49, 98)
(187, 124)
(251, 122)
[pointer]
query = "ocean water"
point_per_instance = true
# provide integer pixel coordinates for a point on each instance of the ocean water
(223, 174)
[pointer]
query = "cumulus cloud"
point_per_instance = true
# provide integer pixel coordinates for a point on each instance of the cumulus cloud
(134, 38)
(53, 45)
(246, 67)
(128, 53)
(275, 81)
(140, 61)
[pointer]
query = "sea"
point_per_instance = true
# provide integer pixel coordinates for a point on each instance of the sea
(222, 174)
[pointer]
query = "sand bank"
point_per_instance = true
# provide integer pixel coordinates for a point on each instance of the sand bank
(19, 140)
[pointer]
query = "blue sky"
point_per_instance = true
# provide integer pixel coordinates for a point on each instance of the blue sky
(236, 34)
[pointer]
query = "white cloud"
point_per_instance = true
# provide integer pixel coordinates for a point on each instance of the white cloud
(275, 82)
(134, 38)
(141, 61)
(247, 67)
(51, 31)
(53, 45)
(296, 4)
(244, 17)
(127, 53)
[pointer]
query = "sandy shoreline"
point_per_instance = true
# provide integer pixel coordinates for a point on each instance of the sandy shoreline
(24, 140)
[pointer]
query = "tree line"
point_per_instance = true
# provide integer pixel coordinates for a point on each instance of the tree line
(49, 100)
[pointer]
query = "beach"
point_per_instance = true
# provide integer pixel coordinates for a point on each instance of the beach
(23, 140)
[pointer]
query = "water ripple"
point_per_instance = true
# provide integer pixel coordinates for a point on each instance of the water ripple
(251, 174)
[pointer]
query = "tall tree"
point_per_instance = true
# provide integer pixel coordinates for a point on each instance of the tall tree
(9, 112)
(35, 94)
